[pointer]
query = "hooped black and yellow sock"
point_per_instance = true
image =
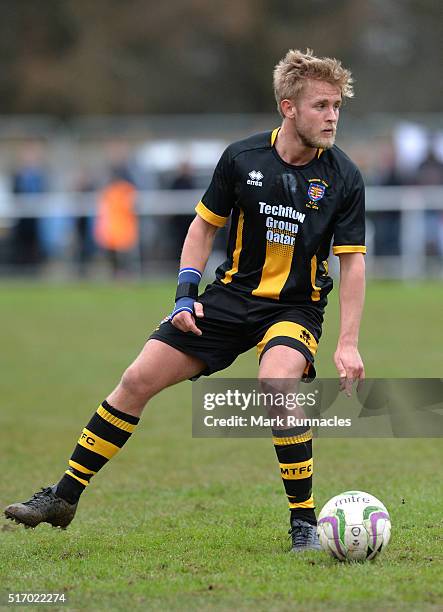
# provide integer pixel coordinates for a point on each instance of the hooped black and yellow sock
(294, 453)
(105, 434)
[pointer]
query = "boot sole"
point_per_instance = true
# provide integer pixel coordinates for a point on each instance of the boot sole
(20, 521)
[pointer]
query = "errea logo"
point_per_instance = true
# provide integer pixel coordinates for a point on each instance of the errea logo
(255, 177)
(305, 337)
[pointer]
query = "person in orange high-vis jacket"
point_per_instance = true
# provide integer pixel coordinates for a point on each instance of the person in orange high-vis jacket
(116, 228)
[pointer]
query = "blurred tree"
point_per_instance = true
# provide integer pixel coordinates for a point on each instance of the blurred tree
(140, 56)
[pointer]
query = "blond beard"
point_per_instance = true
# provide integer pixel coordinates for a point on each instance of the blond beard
(316, 143)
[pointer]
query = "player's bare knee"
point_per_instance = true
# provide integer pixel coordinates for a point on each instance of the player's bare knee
(283, 364)
(277, 380)
(281, 374)
(137, 385)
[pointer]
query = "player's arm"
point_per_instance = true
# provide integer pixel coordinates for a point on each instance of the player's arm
(352, 294)
(195, 253)
(198, 244)
(213, 212)
(349, 245)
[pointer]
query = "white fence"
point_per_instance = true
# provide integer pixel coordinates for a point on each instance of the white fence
(412, 203)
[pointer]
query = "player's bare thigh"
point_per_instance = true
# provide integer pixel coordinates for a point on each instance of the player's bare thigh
(282, 362)
(281, 369)
(157, 366)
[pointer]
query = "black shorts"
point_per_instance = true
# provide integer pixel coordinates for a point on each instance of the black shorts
(234, 322)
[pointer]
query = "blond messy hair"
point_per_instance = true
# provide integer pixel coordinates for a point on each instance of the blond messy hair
(293, 70)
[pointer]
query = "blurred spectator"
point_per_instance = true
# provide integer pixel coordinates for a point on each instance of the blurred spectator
(184, 178)
(84, 224)
(387, 222)
(179, 224)
(430, 172)
(116, 229)
(29, 178)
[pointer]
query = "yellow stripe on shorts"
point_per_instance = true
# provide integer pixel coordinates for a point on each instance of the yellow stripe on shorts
(290, 330)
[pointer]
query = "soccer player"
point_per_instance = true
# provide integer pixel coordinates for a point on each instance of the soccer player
(288, 193)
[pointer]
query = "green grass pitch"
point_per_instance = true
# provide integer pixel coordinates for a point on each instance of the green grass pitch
(180, 523)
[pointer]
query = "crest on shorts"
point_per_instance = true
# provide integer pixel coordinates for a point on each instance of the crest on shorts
(316, 192)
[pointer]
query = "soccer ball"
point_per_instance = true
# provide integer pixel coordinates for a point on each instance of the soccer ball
(354, 526)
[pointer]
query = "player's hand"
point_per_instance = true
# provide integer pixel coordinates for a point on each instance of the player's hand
(184, 320)
(349, 366)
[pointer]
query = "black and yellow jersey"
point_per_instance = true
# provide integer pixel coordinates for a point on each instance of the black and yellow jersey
(283, 218)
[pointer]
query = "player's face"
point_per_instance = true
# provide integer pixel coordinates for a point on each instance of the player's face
(316, 114)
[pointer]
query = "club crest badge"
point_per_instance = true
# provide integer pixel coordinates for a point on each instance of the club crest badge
(316, 190)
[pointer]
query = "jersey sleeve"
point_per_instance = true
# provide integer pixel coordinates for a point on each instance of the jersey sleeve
(349, 231)
(216, 205)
